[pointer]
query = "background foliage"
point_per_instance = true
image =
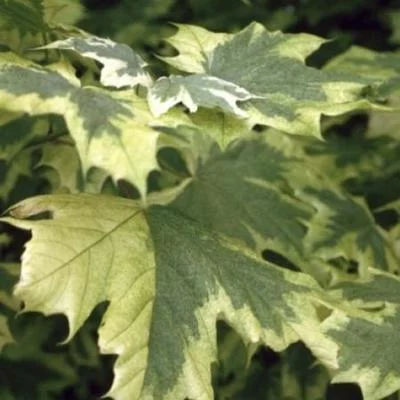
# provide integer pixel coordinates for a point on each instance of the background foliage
(361, 155)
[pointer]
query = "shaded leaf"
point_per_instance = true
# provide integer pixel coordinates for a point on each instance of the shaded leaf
(270, 217)
(26, 15)
(17, 144)
(9, 305)
(344, 226)
(63, 11)
(282, 204)
(60, 164)
(296, 374)
(101, 122)
(368, 63)
(223, 128)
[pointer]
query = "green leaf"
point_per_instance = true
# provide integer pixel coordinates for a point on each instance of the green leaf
(222, 128)
(271, 65)
(121, 66)
(26, 15)
(168, 279)
(38, 16)
(367, 341)
(17, 144)
(291, 374)
(101, 122)
(384, 68)
(194, 44)
(355, 157)
(297, 375)
(249, 180)
(368, 63)
(60, 164)
(36, 365)
(9, 305)
(394, 17)
(107, 135)
(194, 91)
(29, 369)
(66, 12)
(344, 226)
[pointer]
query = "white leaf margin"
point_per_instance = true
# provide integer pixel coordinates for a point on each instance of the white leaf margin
(194, 91)
(121, 65)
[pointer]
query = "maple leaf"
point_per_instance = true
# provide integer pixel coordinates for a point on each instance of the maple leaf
(168, 280)
(344, 226)
(27, 16)
(194, 91)
(371, 328)
(222, 128)
(121, 66)
(271, 65)
(384, 70)
(38, 16)
(368, 63)
(59, 164)
(101, 122)
(287, 206)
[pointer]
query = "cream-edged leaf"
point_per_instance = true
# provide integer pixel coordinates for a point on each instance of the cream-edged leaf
(221, 127)
(101, 122)
(368, 340)
(280, 203)
(195, 91)
(121, 65)
(168, 279)
(195, 44)
(271, 65)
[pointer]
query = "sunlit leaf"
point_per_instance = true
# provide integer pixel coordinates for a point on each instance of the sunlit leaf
(271, 65)
(121, 66)
(168, 280)
(194, 91)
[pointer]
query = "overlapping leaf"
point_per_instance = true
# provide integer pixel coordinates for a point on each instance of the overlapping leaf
(287, 206)
(17, 138)
(344, 227)
(25, 360)
(121, 66)
(297, 375)
(270, 217)
(27, 16)
(170, 272)
(271, 65)
(168, 280)
(63, 11)
(60, 166)
(194, 91)
(222, 128)
(25, 24)
(368, 341)
(100, 122)
(368, 63)
(294, 372)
